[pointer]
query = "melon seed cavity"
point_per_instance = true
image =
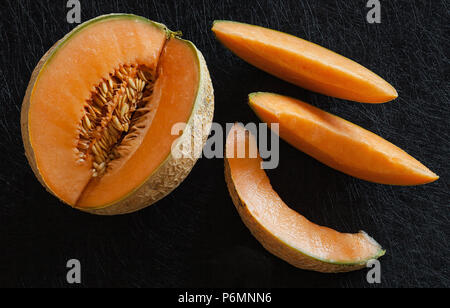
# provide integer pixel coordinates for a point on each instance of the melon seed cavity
(111, 112)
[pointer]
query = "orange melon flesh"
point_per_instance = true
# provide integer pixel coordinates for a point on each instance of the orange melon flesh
(282, 230)
(65, 84)
(303, 63)
(338, 143)
(174, 94)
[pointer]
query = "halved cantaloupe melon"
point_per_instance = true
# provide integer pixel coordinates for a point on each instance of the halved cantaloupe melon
(98, 114)
(303, 63)
(281, 230)
(338, 143)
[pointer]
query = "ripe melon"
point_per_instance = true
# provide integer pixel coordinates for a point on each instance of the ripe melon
(303, 63)
(281, 230)
(338, 143)
(99, 110)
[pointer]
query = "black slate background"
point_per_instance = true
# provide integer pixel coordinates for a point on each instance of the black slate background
(194, 237)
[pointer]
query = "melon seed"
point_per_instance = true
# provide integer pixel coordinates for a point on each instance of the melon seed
(108, 115)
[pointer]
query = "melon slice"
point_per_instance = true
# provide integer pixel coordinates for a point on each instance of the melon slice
(338, 143)
(281, 230)
(98, 114)
(303, 63)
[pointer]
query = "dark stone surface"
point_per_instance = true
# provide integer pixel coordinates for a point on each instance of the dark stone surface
(194, 237)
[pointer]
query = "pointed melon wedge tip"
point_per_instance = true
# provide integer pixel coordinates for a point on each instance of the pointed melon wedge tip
(303, 63)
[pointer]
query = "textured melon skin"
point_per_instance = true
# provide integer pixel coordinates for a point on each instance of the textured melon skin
(172, 172)
(280, 249)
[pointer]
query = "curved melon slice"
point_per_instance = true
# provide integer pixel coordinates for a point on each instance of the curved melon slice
(282, 231)
(98, 114)
(303, 63)
(338, 143)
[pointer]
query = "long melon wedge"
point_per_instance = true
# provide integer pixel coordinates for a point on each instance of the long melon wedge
(338, 143)
(303, 63)
(281, 230)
